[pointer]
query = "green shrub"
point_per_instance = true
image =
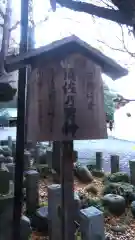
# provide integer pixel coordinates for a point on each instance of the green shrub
(117, 177)
(123, 189)
(43, 204)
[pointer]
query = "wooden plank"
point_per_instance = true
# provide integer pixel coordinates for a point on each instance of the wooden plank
(67, 192)
(61, 49)
(20, 135)
(66, 101)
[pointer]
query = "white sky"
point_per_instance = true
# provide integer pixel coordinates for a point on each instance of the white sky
(65, 22)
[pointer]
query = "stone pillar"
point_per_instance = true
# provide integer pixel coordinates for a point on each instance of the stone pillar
(4, 182)
(54, 213)
(54, 220)
(32, 194)
(37, 154)
(10, 142)
(92, 224)
(6, 218)
(99, 161)
(2, 159)
(132, 171)
(11, 169)
(49, 158)
(6, 224)
(27, 160)
(13, 149)
(114, 163)
(25, 228)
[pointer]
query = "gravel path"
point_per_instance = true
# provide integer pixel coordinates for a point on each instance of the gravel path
(125, 150)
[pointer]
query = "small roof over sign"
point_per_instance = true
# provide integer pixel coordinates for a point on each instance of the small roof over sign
(58, 50)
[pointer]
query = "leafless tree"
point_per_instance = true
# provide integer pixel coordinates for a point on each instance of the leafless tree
(6, 29)
(119, 11)
(129, 8)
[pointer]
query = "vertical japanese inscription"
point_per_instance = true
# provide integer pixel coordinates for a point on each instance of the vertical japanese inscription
(66, 102)
(90, 90)
(52, 99)
(69, 91)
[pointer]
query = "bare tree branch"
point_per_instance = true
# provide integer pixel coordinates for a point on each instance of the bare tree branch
(37, 23)
(2, 13)
(13, 41)
(124, 45)
(107, 13)
(14, 26)
(113, 48)
(122, 39)
(124, 49)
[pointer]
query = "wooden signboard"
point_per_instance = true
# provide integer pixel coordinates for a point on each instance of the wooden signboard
(66, 101)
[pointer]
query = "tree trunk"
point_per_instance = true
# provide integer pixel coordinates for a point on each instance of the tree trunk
(5, 37)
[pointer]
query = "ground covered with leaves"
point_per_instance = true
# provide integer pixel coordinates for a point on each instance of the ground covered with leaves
(116, 227)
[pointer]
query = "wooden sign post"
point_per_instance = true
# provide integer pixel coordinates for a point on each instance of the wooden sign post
(66, 103)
